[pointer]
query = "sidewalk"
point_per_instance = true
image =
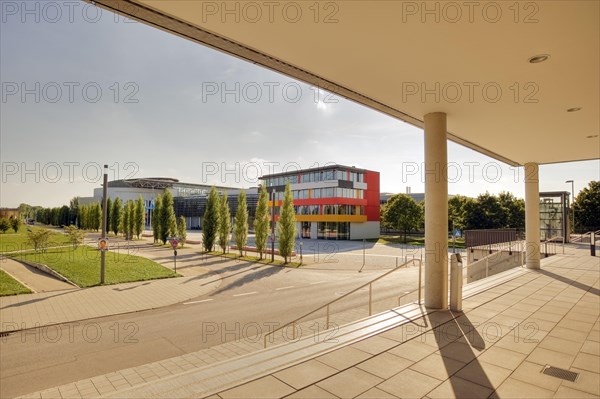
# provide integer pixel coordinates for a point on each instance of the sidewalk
(32, 278)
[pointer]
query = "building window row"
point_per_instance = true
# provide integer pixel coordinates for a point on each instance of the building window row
(329, 210)
(310, 177)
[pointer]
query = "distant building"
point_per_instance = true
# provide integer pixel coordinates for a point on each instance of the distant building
(189, 198)
(335, 202)
(9, 213)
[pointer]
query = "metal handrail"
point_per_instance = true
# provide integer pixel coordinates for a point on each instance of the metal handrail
(327, 305)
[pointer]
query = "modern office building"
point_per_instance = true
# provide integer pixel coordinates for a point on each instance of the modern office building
(189, 198)
(335, 202)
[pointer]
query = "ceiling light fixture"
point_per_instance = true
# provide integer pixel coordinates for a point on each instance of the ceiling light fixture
(536, 59)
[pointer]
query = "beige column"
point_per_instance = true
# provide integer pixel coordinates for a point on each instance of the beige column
(532, 216)
(436, 211)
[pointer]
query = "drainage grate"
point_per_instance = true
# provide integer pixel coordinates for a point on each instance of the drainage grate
(560, 373)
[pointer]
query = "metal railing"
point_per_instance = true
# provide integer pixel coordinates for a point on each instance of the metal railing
(585, 238)
(327, 306)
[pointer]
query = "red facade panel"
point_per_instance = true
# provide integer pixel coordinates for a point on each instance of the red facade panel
(372, 194)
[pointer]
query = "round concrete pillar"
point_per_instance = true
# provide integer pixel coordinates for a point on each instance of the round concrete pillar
(532, 216)
(436, 211)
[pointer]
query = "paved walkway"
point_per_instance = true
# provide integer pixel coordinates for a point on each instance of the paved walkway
(496, 348)
(34, 279)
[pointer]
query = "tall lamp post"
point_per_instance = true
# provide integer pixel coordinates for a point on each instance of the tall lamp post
(104, 222)
(572, 200)
(273, 228)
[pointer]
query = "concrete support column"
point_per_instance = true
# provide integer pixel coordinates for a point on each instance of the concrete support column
(532, 216)
(436, 211)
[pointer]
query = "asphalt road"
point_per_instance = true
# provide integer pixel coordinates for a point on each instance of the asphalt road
(250, 294)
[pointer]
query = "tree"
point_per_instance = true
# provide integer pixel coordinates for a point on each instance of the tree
(241, 222)
(4, 225)
(140, 217)
(181, 230)
(403, 213)
(115, 215)
(156, 218)
(15, 223)
(168, 222)
(64, 218)
(95, 216)
(109, 209)
(73, 211)
(261, 221)
(514, 210)
(125, 221)
(39, 239)
(76, 236)
(287, 225)
(587, 208)
(84, 211)
(210, 222)
(131, 220)
(224, 222)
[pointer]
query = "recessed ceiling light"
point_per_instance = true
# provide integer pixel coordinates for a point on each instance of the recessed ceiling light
(591, 137)
(536, 59)
(574, 109)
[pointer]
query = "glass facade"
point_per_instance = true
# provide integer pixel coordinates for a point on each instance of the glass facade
(316, 176)
(333, 230)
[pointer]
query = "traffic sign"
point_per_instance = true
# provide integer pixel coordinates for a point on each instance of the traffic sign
(103, 244)
(174, 243)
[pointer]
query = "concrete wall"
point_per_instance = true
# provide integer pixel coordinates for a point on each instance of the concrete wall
(358, 231)
(497, 262)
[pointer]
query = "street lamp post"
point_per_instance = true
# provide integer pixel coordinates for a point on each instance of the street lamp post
(273, 228)
(104, 222)
(572, 200)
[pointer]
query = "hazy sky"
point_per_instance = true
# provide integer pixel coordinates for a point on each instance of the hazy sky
(81, 89)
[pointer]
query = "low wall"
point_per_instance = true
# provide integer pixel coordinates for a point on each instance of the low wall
(496, 262)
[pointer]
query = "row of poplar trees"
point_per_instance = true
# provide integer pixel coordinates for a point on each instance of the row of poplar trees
(217, 228)
(164, 222)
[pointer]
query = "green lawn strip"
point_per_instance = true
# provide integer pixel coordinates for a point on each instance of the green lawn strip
(11, 241)
(10, 286)
(416, 241)
(266, 260)
(82, 266)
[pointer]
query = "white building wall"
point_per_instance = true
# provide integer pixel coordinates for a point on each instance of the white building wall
(358, 231)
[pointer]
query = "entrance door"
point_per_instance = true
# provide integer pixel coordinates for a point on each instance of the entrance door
(306, 229)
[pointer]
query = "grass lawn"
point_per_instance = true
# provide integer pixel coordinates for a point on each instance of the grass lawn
(417, 241)
(10, 286)
(11, 241)
(265, 260)
(82, 266)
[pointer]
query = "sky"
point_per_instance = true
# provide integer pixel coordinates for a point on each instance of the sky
(82, 87)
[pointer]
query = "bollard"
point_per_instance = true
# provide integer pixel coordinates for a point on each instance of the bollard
(456, 283)
(593, 244)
